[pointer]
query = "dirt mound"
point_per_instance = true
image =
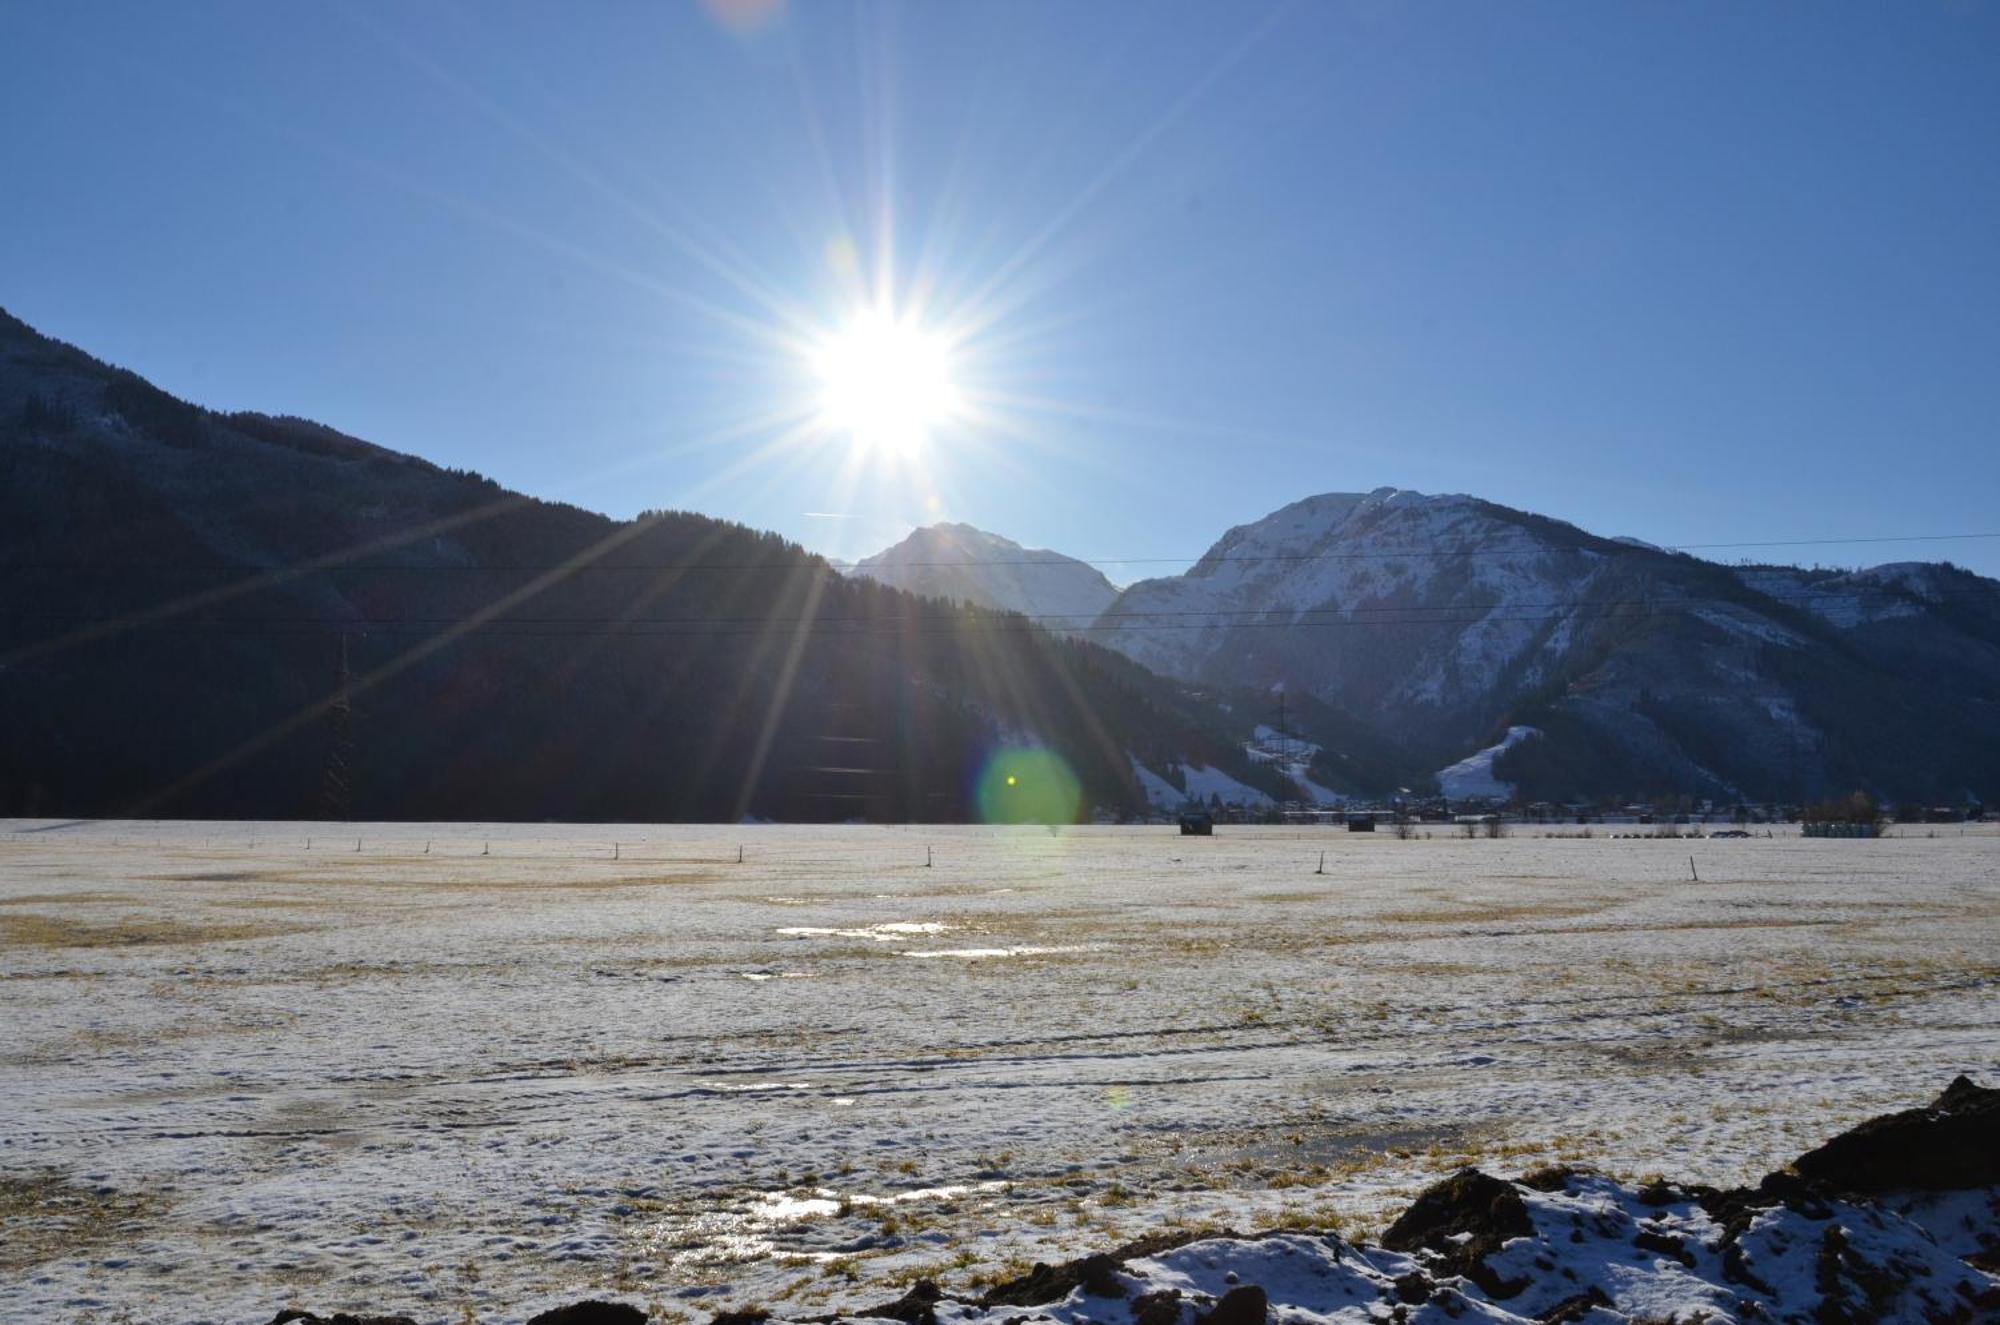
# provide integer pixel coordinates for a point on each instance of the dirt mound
(1468, 1202)
(1247, 1305)
(1465, 1218)
(1094, 1274)
(592, 1312)
(1952, 1144)
(916, 1307)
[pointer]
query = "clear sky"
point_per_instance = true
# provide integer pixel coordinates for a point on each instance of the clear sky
(1693, 272)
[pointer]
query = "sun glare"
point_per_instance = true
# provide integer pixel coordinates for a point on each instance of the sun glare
(887, 382)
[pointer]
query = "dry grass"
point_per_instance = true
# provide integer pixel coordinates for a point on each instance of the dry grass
(46, 931)
(59, 899)
(1487, 913)
(454, 875)
(45, 1215)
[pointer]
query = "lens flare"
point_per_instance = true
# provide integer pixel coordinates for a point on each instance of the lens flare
(1026, 784)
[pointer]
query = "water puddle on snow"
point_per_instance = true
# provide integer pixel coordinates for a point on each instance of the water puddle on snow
(970, 954)
(751, 1232)
(896, 931)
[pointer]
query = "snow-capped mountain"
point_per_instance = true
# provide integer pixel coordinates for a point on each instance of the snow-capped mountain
(1446, 622)
(969, 565)
(1350, 642)
(1387, 600)
(1420, 636)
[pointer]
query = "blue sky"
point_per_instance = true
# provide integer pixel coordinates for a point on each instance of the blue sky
(1696, 273)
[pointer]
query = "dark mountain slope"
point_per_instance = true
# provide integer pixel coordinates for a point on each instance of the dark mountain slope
(241, 615)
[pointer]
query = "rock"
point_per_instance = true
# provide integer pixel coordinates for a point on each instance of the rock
(296, 1317)
(594, 1312)
(1239, 1306)
(1951, 1145)
(1414, 1288)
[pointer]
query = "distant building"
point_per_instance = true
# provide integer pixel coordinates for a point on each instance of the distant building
(1837, 828)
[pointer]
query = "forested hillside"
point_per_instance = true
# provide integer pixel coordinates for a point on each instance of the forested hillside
(239, 615)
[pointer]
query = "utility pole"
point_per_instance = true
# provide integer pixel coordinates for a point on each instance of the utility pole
(1284, 741)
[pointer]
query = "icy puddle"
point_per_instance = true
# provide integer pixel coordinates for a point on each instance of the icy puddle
(794, 1227)
(895, 931)
(516, 1072)
(1029, 950)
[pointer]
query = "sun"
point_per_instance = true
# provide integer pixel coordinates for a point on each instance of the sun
(886, 382)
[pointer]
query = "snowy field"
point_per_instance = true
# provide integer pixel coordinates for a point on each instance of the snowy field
(240, 1073)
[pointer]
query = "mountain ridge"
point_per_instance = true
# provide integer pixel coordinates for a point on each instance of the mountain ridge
(196, 605)
(966, 564)
(248, 616)
(1440, 623)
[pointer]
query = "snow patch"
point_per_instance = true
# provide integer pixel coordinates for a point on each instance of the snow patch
(1472, 777)
(1202, 784)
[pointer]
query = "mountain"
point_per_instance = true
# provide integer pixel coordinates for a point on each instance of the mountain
(246, 616)
(968, 565)
(1443, 626)
(243, 615)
